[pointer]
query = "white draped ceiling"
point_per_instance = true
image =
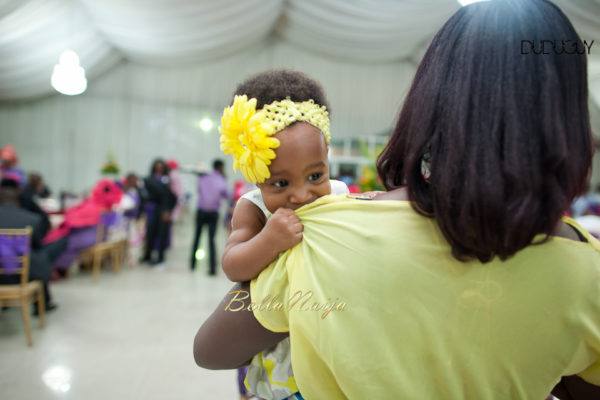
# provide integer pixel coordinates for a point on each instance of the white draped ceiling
(155, 67)
(175, 33)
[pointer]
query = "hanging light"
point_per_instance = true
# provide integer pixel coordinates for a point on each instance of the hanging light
(68, 76)
(206, 124)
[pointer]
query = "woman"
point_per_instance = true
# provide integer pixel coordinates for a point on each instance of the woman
(160, 202)
(475, 287)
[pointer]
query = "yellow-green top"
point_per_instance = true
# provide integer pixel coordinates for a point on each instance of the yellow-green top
(378, 308)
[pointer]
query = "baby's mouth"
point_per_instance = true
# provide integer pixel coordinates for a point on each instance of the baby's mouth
(297, 206)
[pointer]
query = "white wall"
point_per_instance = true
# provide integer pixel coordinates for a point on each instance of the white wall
(140, 112)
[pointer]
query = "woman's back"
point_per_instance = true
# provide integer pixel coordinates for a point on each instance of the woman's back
(417, 322)
(491, 147)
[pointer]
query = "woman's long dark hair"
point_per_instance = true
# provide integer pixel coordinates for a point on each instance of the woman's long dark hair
(506, 136)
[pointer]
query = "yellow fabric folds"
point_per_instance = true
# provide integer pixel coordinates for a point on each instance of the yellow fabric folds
(378, 308)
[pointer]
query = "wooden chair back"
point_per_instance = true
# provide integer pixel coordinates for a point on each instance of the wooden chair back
(15, 250)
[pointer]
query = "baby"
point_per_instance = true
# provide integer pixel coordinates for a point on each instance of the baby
(278, 133)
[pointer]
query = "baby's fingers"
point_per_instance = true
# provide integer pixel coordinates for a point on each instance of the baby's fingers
(296, 226)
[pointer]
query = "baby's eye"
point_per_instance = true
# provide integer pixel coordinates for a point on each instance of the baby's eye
(315, 176)
(281, 183)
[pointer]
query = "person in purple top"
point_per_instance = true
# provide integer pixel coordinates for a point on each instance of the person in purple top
(212, 188)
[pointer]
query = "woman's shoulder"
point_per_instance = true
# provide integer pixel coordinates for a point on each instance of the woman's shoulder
(569, 229)
(400, 194)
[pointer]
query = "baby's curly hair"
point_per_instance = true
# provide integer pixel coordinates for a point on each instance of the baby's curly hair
(278, 84)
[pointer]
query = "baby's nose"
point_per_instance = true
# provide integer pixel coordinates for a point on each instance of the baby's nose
(300, 195)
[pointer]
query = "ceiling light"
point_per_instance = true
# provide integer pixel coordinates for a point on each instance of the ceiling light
(206, 124)
(68, 76)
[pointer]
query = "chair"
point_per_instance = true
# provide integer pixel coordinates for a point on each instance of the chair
(118, 235)
(105, 247)
(14, 260)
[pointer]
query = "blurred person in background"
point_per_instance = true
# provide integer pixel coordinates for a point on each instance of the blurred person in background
(212, 188)
(81, 223)
(160, 203)
(13, 216)
(176, 187)
(27, 200)
(36, 187)
(9, 164)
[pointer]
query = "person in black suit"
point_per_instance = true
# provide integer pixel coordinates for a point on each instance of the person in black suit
(13, 216)
(156, 190)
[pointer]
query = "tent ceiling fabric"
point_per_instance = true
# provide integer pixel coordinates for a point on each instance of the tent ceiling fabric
(184, 32)
(169, 33)
(358, 32)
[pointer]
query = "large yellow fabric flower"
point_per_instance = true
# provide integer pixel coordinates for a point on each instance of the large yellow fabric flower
(246, 134)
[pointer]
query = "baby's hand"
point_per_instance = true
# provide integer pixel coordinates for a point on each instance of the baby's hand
(283, 229)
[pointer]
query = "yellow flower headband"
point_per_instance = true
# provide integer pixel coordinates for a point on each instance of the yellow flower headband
(246, 133)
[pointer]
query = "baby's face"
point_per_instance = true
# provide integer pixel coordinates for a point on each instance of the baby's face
(300, 170)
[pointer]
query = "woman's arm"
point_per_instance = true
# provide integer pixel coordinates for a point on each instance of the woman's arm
(228, 338)
(255, 242)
